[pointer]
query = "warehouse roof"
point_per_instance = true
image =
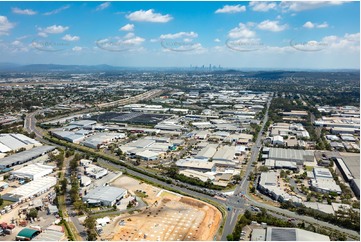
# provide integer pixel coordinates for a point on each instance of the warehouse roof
(207, 151)
(31, 188)
(34, 169)
(352, 162)
(105, 193)
(49, 235)
(25, 156)
(291, 154)
(16, 141)
(195, 164)
(292, 234)
(225, 153)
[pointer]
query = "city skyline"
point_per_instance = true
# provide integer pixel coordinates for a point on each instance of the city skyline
(301, 35)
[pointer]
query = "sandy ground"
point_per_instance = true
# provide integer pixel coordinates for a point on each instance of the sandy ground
(169, 216)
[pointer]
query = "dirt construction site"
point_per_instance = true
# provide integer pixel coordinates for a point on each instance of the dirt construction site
(168, 216)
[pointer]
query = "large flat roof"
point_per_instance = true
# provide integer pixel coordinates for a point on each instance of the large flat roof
(293, 234)
(31, 188)
(15, 142)
(25, 156)
(352, 162)
(225, 153)
(291, 154)
(106, 193)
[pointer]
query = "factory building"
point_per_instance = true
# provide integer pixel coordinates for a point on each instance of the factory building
(25, 156)
(14, 142)
(33, 171)
(29, 190)
(104, 196)
(286, 234)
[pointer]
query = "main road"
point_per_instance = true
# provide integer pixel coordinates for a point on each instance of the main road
(236, 204)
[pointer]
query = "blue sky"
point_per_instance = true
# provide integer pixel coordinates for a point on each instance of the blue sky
(315, 35)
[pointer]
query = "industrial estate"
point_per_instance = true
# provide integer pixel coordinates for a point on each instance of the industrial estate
(196, 159)
(179, 121)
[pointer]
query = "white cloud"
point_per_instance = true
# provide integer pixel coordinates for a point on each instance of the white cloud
(68, 37)
(298, 6)
(129, 35)
(242, 31)
(18, 46)
(77, 48)
(127, 27)
(102, 6)
(262, 6)
(323, 25)
(58, 10)
(273, 26)
(23, 11)
(179, 35)
(133, 41)
(149, 16)
(54, 29)
(5, 25)
(311, 25)
(217, 40)
(348, 42)
(231, 9)
(42, 34)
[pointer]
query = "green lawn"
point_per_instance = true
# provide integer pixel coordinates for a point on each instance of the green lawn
(309, 168)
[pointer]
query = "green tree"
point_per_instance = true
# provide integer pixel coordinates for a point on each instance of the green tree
(230, 237)
(89, 223)
(33, 213)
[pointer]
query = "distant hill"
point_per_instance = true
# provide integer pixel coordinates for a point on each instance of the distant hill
(57, 68)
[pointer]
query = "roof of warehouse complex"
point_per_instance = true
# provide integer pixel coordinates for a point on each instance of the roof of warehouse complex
(290, 154)
(106, 193)
(31, 188)
(34, 169)
(10, 142)
(293, 234)
(25, 155)
(352, 162)
(225, 153)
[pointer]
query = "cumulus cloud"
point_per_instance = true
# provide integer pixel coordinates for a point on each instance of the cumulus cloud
(273, 26)
(68, 37)
(149, 16)
(217, 40)
(310, 25)
(298, 6)
(179, 35)
(231, 9)
(102, 6)
(23, 11)
(127, 27)
(242, 31)
(58, 10)
(77, 48)
(262, 6)
(54, 29)
(5, 25)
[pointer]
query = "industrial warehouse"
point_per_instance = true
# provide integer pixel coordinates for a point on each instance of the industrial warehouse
(25, 156)
(104, 196)
(30, 189)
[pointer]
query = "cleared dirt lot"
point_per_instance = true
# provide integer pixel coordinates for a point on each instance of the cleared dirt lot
(169, 216)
